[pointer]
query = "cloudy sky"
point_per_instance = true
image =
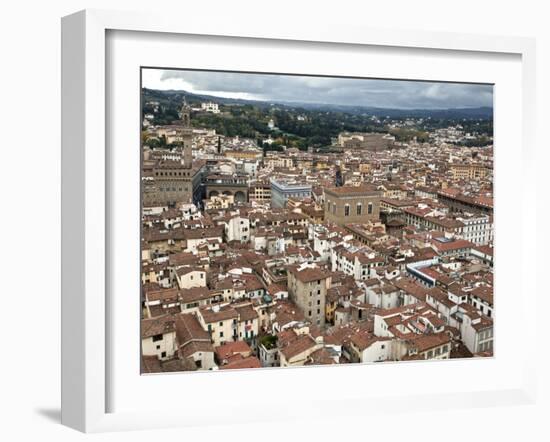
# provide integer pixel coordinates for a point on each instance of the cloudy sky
(342, 91)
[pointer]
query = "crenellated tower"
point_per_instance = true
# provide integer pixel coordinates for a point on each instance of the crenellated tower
(187, 135)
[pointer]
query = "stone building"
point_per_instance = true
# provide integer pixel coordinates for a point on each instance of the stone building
(260, 192)
(282, 190)
(307, 288)
(352, 204)
(220, 184)
(187, 136)
(375, 142)
(173, 183)
(169, 182)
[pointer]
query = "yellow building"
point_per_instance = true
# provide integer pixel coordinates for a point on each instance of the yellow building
(330, 308)
(468, 171)
(243, 154)
(365, 167)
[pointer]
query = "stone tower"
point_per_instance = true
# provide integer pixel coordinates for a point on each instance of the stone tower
(187, 136)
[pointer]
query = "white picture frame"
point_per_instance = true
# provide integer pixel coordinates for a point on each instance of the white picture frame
(86, 317)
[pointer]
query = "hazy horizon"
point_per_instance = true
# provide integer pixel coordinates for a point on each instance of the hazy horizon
(380, 93)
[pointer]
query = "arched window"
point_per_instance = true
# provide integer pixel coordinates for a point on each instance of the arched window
(346, 210)
(359, 209)
(369, 209)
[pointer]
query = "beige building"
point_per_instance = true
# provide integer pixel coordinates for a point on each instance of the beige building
(298, 351)
(230, 322)
(469, 171)
(260, 192)
(277, 160)
(247, 323)
(250, 154)
(352, 204)
(194, 298)
(161, 302)
(307, 287)
(189, 277)
(211, 236)
(158, 337)
(219, 202)
(194, 342)
(429, 346)
(220, 322)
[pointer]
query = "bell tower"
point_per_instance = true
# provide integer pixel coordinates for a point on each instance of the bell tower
(187, 135)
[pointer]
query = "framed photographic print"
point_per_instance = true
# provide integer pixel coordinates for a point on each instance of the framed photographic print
(328, 214)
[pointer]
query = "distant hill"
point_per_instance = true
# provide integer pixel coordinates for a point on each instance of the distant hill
(172, 96)
(458, 113)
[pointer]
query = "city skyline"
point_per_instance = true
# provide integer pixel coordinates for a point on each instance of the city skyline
(288, 236)
(380, 93)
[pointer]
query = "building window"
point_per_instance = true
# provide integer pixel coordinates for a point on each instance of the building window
(346, 210)
(369, 208)
(221, 334)
(359, 208)
(157, 338)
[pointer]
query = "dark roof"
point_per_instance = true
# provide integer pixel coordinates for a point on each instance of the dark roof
(188, 329)
(309, 274)
(364, 190)
(157, 326)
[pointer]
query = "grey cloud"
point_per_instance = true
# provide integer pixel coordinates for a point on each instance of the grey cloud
(343, 91)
